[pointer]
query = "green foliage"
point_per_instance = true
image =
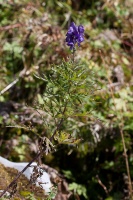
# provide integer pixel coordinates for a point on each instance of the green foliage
(52, 193)
(68, 88)
(79, 189)
(32, 37)
(31, 197)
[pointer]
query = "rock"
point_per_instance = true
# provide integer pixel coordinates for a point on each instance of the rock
(9, 170)
(24, 189)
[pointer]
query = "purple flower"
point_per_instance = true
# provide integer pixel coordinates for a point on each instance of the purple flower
(74, 35)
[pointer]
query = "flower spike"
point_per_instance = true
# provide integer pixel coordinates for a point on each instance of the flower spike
(74, 35)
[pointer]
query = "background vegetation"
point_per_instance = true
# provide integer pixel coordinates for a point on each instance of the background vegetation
(32, 35)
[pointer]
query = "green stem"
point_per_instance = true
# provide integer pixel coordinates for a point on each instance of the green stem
(73, 53)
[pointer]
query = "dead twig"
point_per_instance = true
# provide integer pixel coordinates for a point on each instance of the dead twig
(9, 86)
(102, 185)
(5, 28)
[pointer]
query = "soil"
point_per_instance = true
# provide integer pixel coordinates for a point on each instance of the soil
(24, 189)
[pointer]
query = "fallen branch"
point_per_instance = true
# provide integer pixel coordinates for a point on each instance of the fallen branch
(9, 86)
(4, 28)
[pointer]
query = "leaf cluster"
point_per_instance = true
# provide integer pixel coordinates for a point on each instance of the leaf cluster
(68, 88)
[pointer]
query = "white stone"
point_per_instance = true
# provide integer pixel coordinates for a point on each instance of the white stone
(44, 179)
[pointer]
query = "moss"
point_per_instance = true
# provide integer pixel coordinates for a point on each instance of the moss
(24, 189)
